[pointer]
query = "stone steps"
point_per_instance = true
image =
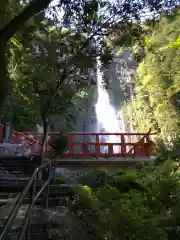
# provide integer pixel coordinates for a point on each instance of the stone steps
(14, 176)
(40, 218)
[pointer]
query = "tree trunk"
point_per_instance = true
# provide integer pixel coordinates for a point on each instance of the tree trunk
(45, 138)
(4, 83)
(17, 22)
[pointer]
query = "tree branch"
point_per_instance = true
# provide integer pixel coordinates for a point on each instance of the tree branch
(82, 49)
(15, 24)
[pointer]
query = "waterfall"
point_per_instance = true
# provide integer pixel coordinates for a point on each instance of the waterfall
(106, 113)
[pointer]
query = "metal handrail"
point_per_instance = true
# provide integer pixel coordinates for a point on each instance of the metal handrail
(32, 183)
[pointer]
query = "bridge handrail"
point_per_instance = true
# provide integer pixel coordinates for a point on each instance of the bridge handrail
(31, 184)
(135, 144)
(140, 147)
(108, 134)
(29, 140)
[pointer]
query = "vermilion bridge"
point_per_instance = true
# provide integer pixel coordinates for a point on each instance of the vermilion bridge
(125, 144)
(95, 148)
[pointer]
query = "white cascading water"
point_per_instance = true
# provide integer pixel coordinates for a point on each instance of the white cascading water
(105, 112)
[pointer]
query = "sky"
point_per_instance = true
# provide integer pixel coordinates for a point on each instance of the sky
(59, 13)
(143, 15)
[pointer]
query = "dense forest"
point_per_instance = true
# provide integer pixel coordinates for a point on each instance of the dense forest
(37, 72)
(156, 101)
(48, 60)
(46, 49)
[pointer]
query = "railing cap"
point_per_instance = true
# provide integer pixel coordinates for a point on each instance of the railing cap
(107, 133)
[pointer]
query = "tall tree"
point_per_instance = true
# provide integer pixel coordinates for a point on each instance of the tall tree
(7, 33)
(80, 15)
(156, 102)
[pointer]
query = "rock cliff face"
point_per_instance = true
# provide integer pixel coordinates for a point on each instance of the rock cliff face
(119, 77)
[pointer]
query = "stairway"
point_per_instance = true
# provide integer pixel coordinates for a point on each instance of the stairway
(15, 175)
(42, 219)
(13, 170)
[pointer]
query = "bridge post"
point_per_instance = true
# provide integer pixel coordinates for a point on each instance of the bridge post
(140, 148)
(7, 132)
(123, 145)
(110, 148)
(149, 146)
(84, 149)
(71, 144)
(97, 144)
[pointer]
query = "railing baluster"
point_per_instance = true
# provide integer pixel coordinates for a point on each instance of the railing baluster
(97, 146)
(110, 149)
(71, 144)
(123, 146)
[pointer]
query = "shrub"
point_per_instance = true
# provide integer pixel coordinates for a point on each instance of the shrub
(149, 214)
(60, 144)
(60, 180)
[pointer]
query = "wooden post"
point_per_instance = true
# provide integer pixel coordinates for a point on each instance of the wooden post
(123, 145)
(110, 148)
(97, 145)
(71, 144)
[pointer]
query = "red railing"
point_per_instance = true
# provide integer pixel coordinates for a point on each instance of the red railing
(120, 144)
(93, 144)
(18, 137)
